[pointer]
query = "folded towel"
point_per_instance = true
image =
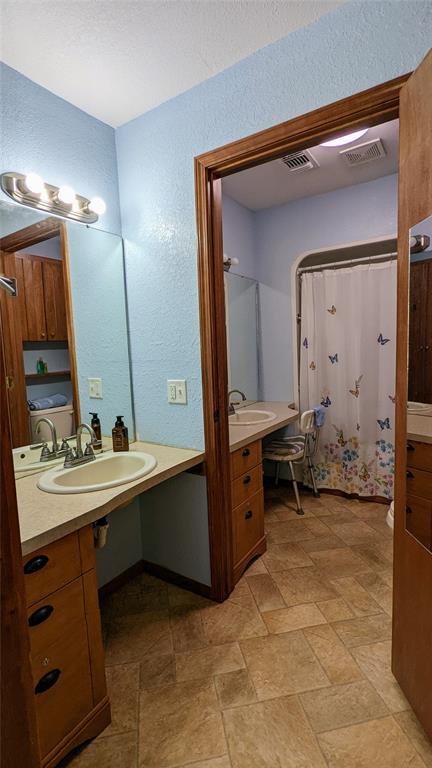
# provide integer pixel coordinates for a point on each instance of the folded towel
(51, 401)
(319, 412)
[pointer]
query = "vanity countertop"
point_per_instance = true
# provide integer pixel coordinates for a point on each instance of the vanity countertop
(419, 428)
(240, 436)
(46, 517)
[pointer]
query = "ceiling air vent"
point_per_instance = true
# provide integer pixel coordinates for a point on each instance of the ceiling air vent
(298, 161)
(364, 153)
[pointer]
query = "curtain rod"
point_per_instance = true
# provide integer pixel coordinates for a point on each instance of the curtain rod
(351, 262)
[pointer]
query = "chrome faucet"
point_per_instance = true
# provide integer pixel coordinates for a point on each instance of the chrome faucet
(46, 453)
(78, 456)
(231, 408)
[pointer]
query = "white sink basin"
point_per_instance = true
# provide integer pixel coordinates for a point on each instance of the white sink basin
(248, 416)
(104, 472)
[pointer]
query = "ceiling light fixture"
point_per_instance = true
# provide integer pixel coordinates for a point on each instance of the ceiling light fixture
(346, 139)
(31, 190)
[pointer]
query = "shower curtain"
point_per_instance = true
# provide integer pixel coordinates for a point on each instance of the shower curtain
(347, 364)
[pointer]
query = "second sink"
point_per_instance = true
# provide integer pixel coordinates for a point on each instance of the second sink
(105, 472)
(248, 416)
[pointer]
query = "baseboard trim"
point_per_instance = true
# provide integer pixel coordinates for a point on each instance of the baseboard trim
(144, 566)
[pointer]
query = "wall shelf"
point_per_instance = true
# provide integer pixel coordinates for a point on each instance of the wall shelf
(48, 375)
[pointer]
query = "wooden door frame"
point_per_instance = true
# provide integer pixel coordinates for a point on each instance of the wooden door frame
(371, 107)
(32, 235)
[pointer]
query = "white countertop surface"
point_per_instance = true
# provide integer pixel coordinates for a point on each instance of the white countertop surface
(241, 436)
(419, 428)
(46, 517)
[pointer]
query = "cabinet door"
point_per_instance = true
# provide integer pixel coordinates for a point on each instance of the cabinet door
(34, 298)
(54, 298)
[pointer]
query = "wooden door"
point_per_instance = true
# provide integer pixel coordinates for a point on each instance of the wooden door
(34, 293)
(54, 300)
(13, 315)
(420, 331)
(19, 745)
(412, 601)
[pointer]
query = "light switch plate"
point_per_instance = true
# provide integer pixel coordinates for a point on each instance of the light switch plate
(177, 391)
(95, 388)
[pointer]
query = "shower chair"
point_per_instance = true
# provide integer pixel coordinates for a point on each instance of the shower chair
(296, 449)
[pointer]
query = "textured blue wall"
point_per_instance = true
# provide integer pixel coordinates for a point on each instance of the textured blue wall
(353, 48)
(42, 133)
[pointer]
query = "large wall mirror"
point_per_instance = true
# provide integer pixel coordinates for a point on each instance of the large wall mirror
(65, 333)
(419, 409)
(242, 323)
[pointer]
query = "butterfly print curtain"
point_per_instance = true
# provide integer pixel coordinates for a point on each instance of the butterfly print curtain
(347, 364)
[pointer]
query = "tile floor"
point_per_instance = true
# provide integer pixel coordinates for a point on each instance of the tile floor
(293, 671)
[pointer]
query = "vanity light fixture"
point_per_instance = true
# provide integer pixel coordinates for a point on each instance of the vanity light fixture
(346, 139)
(30, 189)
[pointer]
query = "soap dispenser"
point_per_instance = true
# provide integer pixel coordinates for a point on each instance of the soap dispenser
(120, 437)
(96, 426)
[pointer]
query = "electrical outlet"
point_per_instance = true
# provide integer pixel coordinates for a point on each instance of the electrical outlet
(95, 388)
(177, 391)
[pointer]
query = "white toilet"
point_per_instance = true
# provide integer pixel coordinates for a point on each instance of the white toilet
(62, 418)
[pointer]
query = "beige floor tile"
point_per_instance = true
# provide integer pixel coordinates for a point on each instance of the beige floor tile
(303, 585)
(364, 630)
(280, 557)
(369, 511)
(320, 543)
(232, 620)
(292, 618)
(180, 724)
(287, 531)
(375, 662)
(181, 597)
(282, 664)
(375, 743)
(342, 705)
(290, 513)
(235, 688)
(380, 591)
(187, 628)
(157, 670)
(110, 752)
(335, 659)
(336, 609)
(271, 734)
(135, 598)
(213, 660)
(336, 563)
(265, 592)
(317, 527)
(132, 638)
(356, 532)
(215, 762)
(359, 600)
(123, 691)
(256, 567)
(377, 556)
(411, 726)
(382, 528)
(339, 514)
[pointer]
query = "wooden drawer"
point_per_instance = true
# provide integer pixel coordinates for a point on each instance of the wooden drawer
(50, 619)
(248, 525)
(419, 519)
(69, 698)
(51, 567)
(245, 458)
(246, 485)
(419, 483)
(419, 455)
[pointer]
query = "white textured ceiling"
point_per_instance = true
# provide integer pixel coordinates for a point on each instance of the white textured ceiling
(116, 59)
(273, 184)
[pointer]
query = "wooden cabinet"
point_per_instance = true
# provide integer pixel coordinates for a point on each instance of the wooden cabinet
(44, 297)
(66, 645)
(418, 518)
(247, 497)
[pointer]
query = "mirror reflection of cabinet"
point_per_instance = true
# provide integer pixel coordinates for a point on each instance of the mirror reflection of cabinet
(44, 298)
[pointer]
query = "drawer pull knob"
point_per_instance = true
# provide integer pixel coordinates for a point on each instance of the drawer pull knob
(35, 564)
(246, 480)
(408, 510)
(248, 514)
(410, 447)
(41, 614)
(246, 452)
(409, 474)
(47, 681)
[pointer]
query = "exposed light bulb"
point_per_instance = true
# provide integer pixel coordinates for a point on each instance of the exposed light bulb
(66, 195)
(97, 205)
(341, 140)
(34, 183)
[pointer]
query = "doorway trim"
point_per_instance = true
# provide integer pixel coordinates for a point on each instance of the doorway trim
(371, 107)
